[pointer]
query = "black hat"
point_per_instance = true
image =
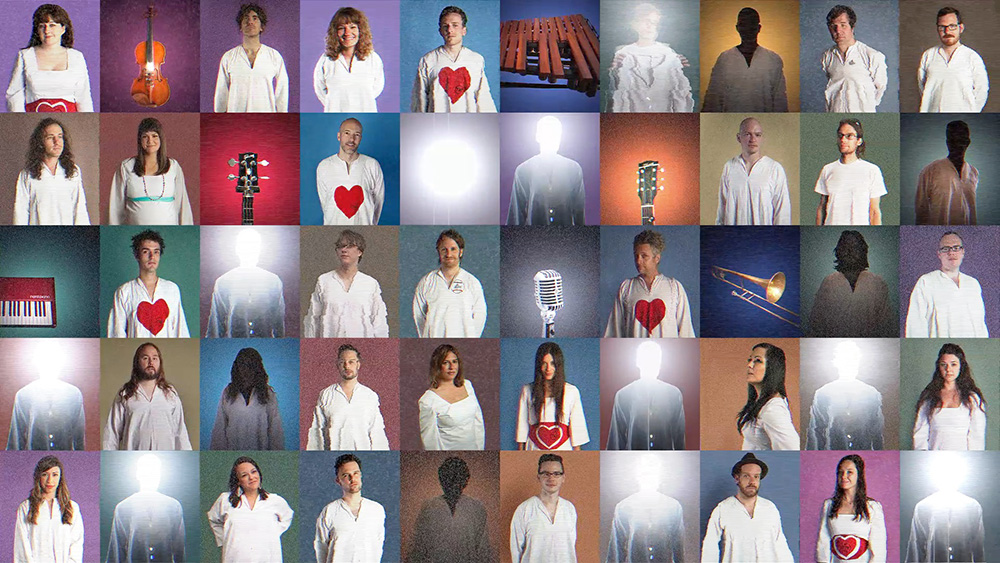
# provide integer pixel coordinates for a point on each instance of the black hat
(750, 458)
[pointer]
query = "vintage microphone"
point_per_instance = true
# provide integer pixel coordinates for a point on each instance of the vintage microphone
(549, 298)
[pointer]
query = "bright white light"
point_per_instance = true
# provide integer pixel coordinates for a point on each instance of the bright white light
(49, 359)
(648, 358)
(847, 360)
(449, 167)
(248, 247)
(147, 472)
(947, 471)
(549, 134)
(647, 473)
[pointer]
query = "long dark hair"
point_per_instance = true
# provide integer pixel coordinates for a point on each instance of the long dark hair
(773, 384)
(858, 130)
(162, 162)
(860, 493)
(62, 491)
(129, 389)
(930, 397)
(36, 150)
(437, 359)
(556, 386)
(453, 474)
(357, 17)
(55, 13)
(248, 374)
(234, 481)
(851, 256)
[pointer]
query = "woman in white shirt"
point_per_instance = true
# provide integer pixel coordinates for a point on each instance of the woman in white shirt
(550, 412)
(49, 75)
(765, 422)
(349, 75)
(450, 417)
(248, 417)
(851, 526)
(49, 526)
(951, 410)
(149, 188)
(248, 521)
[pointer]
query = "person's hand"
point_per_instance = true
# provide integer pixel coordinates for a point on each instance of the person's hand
(617, 62)
(684, 61)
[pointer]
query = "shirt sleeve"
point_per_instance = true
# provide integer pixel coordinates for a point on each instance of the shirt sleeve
(922, 430)
(420, 307)
(378, 70)
(380, 325)
(316, 439)
(876, 188)
(714, 93)
(781, 201)
(81, 217)
(815, 434)
(319, 80)
(478, 308)
(222, 86)
(112, 435)
(22, 199)
(579, 200)
(80, 424)
(312, 324)
(922, 72)
(616, 436)
(182, 326)
(523, 409)
(780, 98)
(76, 535)
(217, 518)
(823, 541)
(918, 315)
(283, 514)
(15, 90)
(518, 533)
(118, 317)
(219, 441)
(184, 203)
(678, 426)
(22, 540)
(877, 541)
(980, 81)
(281, 86)
(879, 74)
(821, 183)
(321, 541)
(479, 426)
(275, 432)
(216, 326)
(378, 182)
(577, 422)
(923, 200)
(429, 434)
(783, 552)
(517, 211)
(977, 426)
(720, 215)
(377, 431)
(776, 420)
(116, 202)
(418, 98)
(84, 101)
(617, 319)
(182, 442)
(683, 317)
(713, 533)
(484, 100)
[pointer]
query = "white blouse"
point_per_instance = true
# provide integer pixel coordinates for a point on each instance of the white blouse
(451, 426)
(49, 540)
(773, 428)
(956, 428)
(250, 535)
(548, 433)
(349, 86)
(149, 199)
(28, 84)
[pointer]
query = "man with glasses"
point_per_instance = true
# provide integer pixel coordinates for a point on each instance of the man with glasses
(952, 77)
(946, 303)
(544, 526)
(350, 185)
(850, 187)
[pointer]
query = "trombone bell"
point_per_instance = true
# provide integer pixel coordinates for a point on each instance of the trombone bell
(774, 287)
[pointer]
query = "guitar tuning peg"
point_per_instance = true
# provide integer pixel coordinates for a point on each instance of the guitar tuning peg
(231, 176)
(232, 162)
(263, 162)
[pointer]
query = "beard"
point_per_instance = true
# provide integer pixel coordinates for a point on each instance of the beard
(749, 492)
(147, 375)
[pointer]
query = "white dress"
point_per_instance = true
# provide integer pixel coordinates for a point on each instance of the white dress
(451, 426)
(149, 200)
(250, 535)
(772, 429)
(354, 89)
(958, 428)
(649, 79)
(536, 537)
(849, 189)
(51, 88)
(843, 539)
(48, 541)
(52, 199)
(147, 423)
(856, 81)
(334, 312)
(260, 87)
(446, 85)
(248, 426)
(548, 433)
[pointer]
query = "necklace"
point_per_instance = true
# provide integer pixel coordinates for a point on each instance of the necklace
(163, 188)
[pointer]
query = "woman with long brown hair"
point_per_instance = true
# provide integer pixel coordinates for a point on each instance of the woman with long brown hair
(450, 416)
(550, 412)
(951, 410)
(248, 417)
(349, 74)
(49, 526)
(852, 526)
(149, 188)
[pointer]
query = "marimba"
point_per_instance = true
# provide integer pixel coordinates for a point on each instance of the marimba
(553, 49)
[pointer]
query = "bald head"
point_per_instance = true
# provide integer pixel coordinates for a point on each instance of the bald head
(751, 138)
(748, 24)
(349, 136)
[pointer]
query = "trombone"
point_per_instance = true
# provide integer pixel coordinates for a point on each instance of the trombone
(773, 288)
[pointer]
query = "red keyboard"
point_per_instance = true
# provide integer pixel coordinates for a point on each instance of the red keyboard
(28, 302)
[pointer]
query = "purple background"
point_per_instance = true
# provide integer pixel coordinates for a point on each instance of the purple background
(86, 18)
(176, 26)
(82, 474)
(219, 34)
(383, 18)
(580, 136)
(918, 256)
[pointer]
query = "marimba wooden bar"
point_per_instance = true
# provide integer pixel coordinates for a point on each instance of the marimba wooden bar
(553, 49)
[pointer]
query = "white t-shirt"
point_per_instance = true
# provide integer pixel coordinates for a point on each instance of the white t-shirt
(850, 189)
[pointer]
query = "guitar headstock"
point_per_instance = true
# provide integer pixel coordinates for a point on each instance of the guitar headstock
(648, 181)
(247, 180)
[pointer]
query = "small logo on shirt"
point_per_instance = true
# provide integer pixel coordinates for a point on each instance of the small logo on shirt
(850, 63)
(457, 286)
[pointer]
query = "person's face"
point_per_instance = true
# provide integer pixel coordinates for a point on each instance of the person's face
(149, 256)
(647, 26)
(49, 480)
(50, 32)
(349, 137)
(452, 30)
(751, 138)
(847, 139)
(756, 365)
(847, 475)
(951, 252)
(149, 362)
(449, 254)
(748, 479)
(150, 142)
(348, 34)
(349, 478)
(647, 260)
(551, 477)
(348, 365)
(949, 30)
(449, 367)
(250, 24)
(248, 477)
(548, 367)
(52, 140)
(348, 253)
(840, 30)
(748, 26)
(949, 367)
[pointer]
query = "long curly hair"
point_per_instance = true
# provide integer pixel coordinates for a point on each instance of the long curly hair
(162, 162)
(860, 493)
(234, 481)
(62, 491)
(53, 12)
(357, 17)
(248, 375)
(556, 386)
(132, 385)
(773, 384)
(930, 397)
(35, 159)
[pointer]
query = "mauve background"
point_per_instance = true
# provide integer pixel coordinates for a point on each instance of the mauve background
(480, 360)
(379, 372)
(78, 364)
(82, 476)
(383, 19)
(86, 18)
(176, 26)
(918, 256)
(678, 367)
(580, 139)
(219, 33)
(818, 474)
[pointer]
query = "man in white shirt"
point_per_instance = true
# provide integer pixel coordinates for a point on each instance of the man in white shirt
(856, 74)
(650, 305)
(946, 188)
(449, 302)
(350, 528)
(452, 78)
(350, 185)
(49, 189)
(147, 306)
(753, 189)
(747, 526)
(951, 76)
(247, 301)
(544, 526)
(548, 187)
(946, 303)
(648, 414)
(252, 76)
(347, 415)
(747, 77)
(147, 413)
(850, 188)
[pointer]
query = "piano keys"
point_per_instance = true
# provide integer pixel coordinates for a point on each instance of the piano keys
(26, 302)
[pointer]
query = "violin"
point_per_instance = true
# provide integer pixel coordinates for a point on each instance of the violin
(150, 88)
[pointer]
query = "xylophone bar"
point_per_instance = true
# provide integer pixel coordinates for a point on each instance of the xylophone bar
(553, 48)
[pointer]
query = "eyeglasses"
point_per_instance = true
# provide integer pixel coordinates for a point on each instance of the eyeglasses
(949, 27)
(551, 473)
(346, 245)
(848, 136)
(947, 249)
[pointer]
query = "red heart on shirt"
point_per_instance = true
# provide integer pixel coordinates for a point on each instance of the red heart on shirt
(550, 435)
(849, 546)
(650, 313)
(153, 315)
(349, 200)
(455, 81)
(47, 107)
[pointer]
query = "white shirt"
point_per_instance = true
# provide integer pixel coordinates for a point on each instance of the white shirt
(773, 428)
(855, 81)
(48, 415)
(147, 526)
(451, 426)
(647, 415)
(136, 314)
(350, 194)
(446, 85)
(864, 311)
(736, 87)
(958, 85)
(566, 433)
(944, 197)
(260, 87)
(147, 423)
(335, 312)
(340, 423)
(846, 415)
(445, 536)
(947, 526)
(243, 426)
(353, 89)
(536, 537)
(660, 311)
(745, 539)
(449, 310)
(649, 79)
(28, 84)
(647, 526)
(548, 190)
(247, 302)
(52, 199)
(755, 197)
(48, 541)
(940, 308)
(844, 539)
(149, 200)
(849, 189)
(959, 428)
(340, 537)
(250, 535)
